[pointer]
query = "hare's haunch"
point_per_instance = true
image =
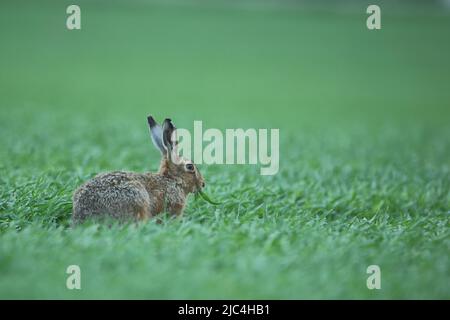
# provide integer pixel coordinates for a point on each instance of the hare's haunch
(138, 196)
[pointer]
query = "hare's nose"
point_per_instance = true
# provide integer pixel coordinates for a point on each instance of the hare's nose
(203, 184)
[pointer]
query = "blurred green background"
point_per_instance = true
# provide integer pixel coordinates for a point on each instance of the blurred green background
(364, 164)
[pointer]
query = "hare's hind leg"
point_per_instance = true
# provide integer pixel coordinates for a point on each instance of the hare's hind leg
(143, 214)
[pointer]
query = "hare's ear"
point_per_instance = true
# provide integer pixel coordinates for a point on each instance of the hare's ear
(168, 136)
(156, 134)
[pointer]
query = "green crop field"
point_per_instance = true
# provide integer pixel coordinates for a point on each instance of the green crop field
(364, 120)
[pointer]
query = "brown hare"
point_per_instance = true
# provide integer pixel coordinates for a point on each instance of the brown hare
(139, 196)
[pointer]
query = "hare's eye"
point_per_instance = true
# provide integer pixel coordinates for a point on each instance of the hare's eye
(190, 167)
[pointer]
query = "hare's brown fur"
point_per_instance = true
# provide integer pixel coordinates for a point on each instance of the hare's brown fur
(137, 196)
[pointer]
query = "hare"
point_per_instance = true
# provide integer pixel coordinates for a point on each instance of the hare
(139, 196)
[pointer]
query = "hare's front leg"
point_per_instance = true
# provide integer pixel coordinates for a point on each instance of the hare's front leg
(175, 209)
(175, 200)
(156, 203)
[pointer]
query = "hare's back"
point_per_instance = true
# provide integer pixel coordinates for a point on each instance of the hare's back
(115, 193)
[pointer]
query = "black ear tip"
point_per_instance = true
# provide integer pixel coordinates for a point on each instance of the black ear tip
(169, 123)
(151, 121)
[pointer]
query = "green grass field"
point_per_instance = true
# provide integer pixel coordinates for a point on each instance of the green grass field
(364, 149)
